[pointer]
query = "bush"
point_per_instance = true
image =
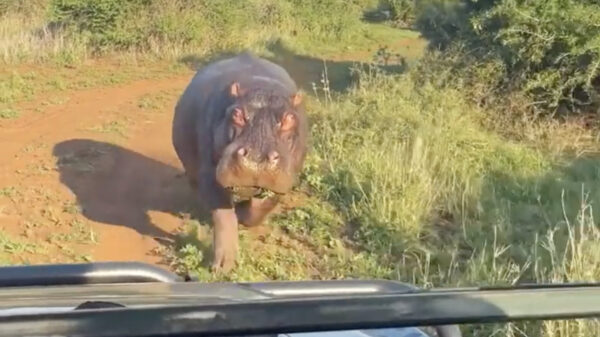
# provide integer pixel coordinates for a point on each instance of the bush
(402, 11)
(208, 25)
(105, 22)
(401, 155)
(549, 50)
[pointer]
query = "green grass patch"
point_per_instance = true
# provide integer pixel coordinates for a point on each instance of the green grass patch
(114, 127)
(80, 232)
(24, 84)
(9, 192)
(11, 248)
(156, 101)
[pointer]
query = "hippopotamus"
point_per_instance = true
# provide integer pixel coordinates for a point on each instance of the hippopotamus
(240, 132)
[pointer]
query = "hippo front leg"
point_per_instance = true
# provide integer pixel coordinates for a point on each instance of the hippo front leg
(225, 223)
(225, 239)
(254, 211)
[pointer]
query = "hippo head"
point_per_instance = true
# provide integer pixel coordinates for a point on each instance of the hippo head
(261, 142)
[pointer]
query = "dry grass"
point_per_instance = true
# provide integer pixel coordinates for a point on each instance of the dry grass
(26, 37)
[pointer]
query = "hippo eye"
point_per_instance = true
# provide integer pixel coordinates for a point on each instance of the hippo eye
(238, 117)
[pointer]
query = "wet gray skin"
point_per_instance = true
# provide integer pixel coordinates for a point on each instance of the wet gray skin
(240, 132)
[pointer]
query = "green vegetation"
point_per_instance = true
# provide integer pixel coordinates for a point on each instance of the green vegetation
(8, 113)
(10, 245)
(544, 53)
(401, 12)
(156, 102)
(116, 127)
(429, 171)
(547, 50)
(18, 86)
(142, 24)
(405, 183)
(70, 30)
(79, 233)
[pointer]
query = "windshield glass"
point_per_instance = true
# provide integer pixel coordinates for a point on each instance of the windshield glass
(437, 143)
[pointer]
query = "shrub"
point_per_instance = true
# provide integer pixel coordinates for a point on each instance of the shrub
(402, 11)
(106, 22)
(204, 24)
(549, 50)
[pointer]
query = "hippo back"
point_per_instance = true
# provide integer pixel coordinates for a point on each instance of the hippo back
(206, 95)
(246, 69)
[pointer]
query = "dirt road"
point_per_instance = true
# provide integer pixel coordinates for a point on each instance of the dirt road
(93, 178)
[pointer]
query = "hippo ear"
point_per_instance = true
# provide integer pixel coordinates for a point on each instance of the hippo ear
(288, 122)
(296, 99)
(238, 117)
(235, 90)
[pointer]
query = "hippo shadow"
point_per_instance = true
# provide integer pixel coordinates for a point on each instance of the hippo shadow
(118, 186)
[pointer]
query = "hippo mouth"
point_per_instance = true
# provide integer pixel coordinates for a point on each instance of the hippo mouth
(247, 192)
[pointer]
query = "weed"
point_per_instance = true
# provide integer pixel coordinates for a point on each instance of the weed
(324, 85)
(84, 258)
(148, 102)
(191, 257)
(9, 113)
(155, 101)
(50, 214)
(9, 192)
(39, 168)
(72, 208)
(11, 246)
(34, 147)
(80, 232)
(15, 86)
(112, 127)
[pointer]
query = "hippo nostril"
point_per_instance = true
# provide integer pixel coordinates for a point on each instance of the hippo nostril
(273, 156)
(242, 152)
